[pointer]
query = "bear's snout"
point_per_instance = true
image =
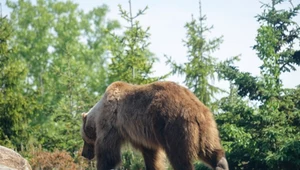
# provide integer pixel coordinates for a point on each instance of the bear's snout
(88, 151)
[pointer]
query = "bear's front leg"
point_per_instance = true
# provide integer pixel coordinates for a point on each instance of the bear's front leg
(108, 150)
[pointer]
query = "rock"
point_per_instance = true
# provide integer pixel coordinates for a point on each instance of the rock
(11, 160)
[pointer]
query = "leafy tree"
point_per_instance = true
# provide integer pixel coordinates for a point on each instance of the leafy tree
(64, 49)
(201, 65)
(259, 136)
(97, 33)
(15, 107)
(131, 59)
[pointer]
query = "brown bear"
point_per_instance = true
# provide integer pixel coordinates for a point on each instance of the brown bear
(161, 117)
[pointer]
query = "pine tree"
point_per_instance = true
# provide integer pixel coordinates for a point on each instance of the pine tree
(199, 70)
(131, 59)
(269, 130)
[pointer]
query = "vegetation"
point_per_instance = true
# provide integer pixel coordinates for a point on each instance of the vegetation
(201, 66)
(56, 61)
(266, 136)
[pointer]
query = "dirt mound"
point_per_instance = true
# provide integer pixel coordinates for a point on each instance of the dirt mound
(11, 160)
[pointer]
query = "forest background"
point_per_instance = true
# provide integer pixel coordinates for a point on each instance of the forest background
(56, 60)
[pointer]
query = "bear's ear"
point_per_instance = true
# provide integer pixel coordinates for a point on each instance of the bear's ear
(83, 116)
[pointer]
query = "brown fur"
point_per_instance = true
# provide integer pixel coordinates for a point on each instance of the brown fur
(154, 118)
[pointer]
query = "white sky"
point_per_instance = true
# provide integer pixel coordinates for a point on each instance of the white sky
(234, 19)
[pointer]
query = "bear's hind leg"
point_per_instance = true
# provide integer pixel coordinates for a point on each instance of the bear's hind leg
(178, 148)
(108, 150)
(215, 159)
(179, 160)
(153, 159)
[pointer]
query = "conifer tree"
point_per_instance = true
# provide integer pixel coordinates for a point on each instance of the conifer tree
(132, 60)
(267, 132)
(199, 71)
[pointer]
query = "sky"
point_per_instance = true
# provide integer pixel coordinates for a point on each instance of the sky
(233, 19)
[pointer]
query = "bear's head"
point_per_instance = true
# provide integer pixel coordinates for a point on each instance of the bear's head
(88, 135)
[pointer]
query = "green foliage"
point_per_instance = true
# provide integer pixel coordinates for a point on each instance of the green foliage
(131, 160)
(277, 36)
(131, 59)
(64, 51)
(259, 137)
(200, 68)
(14, 105)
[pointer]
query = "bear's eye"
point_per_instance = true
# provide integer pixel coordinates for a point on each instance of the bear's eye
(90, 132)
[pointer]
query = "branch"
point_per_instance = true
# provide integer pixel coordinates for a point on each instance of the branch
(291, 3)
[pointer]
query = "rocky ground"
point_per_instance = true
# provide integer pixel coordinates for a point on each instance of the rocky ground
(11, 160)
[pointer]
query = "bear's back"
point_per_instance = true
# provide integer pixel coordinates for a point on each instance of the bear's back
(166, 92)
(166, 96)
(178, 100)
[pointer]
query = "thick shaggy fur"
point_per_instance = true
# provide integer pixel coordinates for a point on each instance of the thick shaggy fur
(154, 118)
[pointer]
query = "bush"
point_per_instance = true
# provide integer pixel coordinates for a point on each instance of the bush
(60, 160)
